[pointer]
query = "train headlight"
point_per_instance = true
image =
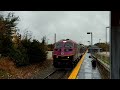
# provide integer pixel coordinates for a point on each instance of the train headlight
(67, 57)
(62, 53)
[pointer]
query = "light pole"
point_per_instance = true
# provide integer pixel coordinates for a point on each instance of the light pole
(88, 42)
(106, 39)
(55, 38)
(91, 37)
(99, 41)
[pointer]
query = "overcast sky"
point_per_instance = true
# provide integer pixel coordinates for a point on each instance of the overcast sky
(66, 24)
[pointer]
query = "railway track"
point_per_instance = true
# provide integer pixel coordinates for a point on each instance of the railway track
(59, 74)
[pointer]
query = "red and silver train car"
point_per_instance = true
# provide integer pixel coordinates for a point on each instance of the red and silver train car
(66, 53)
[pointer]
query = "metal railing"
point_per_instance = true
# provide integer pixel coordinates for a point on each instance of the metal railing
(103, 68)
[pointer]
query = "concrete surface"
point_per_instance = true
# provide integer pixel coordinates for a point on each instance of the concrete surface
(86, 70)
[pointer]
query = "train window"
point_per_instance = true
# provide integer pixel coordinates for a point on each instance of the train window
(68, 45)
(58, 45)
(75, 45)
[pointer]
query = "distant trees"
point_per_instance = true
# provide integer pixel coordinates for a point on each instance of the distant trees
(21, 51)
(104, 46)
(50, 47)
(6, 25)
(37, 51)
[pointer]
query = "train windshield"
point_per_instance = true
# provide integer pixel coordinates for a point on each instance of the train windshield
(58, 45)
(68, 45)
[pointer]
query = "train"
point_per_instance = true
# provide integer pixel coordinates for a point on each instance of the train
(67, 53)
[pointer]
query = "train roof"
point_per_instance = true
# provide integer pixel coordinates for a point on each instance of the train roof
(66, 40)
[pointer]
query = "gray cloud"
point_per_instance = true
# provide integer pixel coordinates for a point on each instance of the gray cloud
(66, 24)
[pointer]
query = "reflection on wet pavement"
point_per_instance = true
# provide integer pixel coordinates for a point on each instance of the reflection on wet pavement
(86, 71)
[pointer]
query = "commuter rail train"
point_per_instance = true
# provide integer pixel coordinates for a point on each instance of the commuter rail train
(66, 53)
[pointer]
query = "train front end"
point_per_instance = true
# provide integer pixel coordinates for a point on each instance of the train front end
(63, 54)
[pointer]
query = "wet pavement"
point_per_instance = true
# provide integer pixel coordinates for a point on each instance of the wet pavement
(86, 70)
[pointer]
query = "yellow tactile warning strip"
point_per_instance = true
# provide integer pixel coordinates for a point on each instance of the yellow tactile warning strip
(75, 71)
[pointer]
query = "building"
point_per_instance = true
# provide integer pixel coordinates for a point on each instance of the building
(94, 49)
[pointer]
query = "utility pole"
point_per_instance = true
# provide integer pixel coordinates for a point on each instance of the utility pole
(106, 40)
(91, 39)
(55, 38)
(99, 41)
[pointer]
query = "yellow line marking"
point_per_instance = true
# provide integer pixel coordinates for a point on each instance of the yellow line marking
(77, 68)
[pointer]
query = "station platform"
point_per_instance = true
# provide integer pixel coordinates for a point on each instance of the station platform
(84, 69)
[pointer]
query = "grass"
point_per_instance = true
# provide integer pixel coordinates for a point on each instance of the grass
(9, 71)
(4, 74)
(104, 58)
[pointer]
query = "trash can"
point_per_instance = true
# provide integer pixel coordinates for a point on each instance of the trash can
(93, 63)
